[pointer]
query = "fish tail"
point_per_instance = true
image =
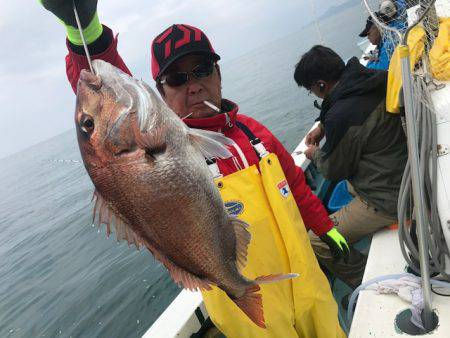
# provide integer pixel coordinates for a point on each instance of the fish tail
(275, 278)
(251, 304)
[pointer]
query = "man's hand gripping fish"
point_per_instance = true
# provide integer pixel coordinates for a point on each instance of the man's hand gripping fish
(154, 187)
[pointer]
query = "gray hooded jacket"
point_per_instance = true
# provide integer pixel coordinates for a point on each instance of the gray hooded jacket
(364, 144)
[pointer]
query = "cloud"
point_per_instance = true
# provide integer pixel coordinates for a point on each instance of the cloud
(35, 95)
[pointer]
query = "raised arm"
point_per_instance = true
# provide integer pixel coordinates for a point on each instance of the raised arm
(99, 38)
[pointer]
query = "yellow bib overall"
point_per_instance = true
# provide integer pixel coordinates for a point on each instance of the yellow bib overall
(299, 307)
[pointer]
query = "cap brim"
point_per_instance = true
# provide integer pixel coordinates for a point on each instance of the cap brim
(212, 55)
(363, 34)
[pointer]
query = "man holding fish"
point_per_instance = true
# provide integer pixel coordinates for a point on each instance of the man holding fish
(250, 254)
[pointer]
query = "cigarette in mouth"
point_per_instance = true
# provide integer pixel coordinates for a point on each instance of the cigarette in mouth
(210, 105)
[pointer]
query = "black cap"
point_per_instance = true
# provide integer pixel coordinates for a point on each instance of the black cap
(369, 22)
(178, 41)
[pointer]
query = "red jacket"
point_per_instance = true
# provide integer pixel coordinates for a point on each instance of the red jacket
(314, 214)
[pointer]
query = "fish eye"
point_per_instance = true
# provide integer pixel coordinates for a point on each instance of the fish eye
(87, 123)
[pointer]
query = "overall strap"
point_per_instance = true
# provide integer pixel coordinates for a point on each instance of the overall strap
(257, 146)
(256, 143)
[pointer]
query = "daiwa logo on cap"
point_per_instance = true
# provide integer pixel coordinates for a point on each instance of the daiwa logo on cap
(283, 187)
(176, 42)
(234, 207)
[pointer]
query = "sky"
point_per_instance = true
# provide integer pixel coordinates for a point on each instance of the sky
(36, 101)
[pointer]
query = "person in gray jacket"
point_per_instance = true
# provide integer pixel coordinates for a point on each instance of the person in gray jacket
(364, 145)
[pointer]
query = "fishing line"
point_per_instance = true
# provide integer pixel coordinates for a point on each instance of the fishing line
(187, 115)
(88, 56)
(60, 160)
(316, 23)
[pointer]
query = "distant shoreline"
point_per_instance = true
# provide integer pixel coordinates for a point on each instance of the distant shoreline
(334, 10)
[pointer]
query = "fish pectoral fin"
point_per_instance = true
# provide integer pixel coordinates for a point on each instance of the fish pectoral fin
(210, 143)
(180, 276)
(242, 241)
(275, 278)
(153, 141)
(103, 214)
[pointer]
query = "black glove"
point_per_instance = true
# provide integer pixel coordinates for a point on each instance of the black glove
(63, 9)
(337, 244)
(92, 28)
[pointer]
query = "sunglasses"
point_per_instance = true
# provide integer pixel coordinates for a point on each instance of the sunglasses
(200, 71)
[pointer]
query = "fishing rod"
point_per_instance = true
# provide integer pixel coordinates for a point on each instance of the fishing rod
(86, 50)
(316, 23)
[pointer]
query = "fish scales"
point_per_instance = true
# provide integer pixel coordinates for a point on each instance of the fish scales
(153, 185)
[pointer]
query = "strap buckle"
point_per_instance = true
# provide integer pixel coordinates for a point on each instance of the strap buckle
(259, 147)
(213, 167)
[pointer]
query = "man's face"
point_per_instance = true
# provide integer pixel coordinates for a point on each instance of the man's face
(374, 35)
(188, 98)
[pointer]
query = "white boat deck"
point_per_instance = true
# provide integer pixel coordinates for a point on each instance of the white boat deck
(179, 319)
(375, 314)
(441, 99)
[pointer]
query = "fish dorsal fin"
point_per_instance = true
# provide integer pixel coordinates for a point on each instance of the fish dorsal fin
(103, 214)
(242, 240)
(210, 143)
(180, 276)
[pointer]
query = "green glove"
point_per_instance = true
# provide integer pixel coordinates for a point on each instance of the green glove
(337, 244)
(87, 11)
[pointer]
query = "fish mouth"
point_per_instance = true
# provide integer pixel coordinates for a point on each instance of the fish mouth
(90, 79)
